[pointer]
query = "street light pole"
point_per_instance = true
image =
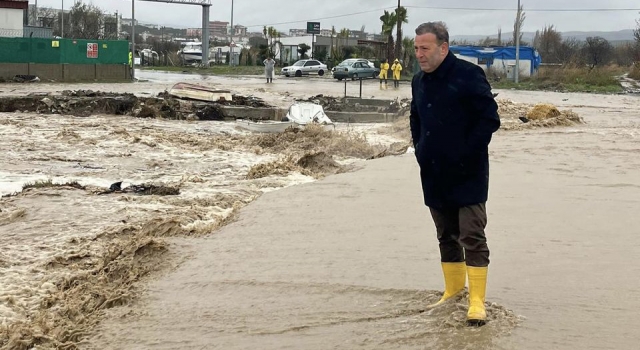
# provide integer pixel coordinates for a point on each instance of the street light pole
(231, 43)
(133, 40)
(518, 24)
(62, 24)
(397, 49)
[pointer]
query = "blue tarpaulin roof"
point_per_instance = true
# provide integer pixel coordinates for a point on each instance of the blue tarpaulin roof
(502, 52)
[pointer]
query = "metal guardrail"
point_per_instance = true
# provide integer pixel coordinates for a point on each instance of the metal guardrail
(11, 33)
(27, 32)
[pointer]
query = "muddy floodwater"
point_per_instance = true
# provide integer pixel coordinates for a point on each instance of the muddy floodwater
(118, 231)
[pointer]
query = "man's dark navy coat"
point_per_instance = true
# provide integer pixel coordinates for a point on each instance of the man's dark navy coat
(453, 115)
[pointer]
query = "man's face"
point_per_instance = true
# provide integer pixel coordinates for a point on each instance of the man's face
(430, 55)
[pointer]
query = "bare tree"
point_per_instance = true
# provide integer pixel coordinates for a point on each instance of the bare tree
(488, 41)
(636, 35)
(518, 24)
(624, 54)
(598, 51)
(465, 42)
(87, 21)
(110, 27)
(548, 42)
(499, 36)
(43, 16)
(568, 50)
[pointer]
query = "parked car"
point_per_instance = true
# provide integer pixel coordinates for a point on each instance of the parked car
(355, 70)
(350, 61)
(305, 67)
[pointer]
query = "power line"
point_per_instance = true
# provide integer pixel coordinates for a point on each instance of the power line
(450, 8)
(526, 9)
(321, 18)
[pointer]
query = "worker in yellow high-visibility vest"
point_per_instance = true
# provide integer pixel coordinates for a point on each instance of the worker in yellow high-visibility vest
(396, 68)
(384, 68)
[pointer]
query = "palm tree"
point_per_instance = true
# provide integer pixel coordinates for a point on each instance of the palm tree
(408, 58)
(389, 21)
(270, 34)
(333, 34)
(401, 17)
(344, 34)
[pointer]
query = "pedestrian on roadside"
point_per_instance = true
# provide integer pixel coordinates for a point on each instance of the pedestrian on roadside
(396, 68)
(269, 66)
(384, 69)
(453, 116)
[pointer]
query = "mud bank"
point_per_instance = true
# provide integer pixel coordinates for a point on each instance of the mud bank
(513, 116)
(83, 103)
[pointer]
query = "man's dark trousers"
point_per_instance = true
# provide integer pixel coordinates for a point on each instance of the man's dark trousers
(461, 234)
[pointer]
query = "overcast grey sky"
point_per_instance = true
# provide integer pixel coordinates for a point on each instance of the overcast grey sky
(255, 13)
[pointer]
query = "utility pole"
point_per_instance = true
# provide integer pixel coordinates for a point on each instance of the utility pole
(117, 26)
(133, 40)
(205, 35)
(398, 34)
(35, 15)
(518, 24)
(62, 22)
(231, 37)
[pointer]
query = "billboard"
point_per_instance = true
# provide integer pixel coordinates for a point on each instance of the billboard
(313, 27)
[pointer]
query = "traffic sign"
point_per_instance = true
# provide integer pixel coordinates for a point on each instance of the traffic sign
(313, 27)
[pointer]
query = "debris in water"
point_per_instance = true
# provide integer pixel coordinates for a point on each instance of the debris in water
(319, 163)
(395, 149)
(152, 190)
(26, 78)
(50, 184)
(144, 189)
(543, 111)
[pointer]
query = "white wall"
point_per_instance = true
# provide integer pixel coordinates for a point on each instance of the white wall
(501, 66)
(293, 42)
(11, 19)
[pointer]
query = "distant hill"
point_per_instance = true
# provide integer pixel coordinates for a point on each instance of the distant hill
(616, 36)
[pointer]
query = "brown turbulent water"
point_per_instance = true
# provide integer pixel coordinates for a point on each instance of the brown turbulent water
(67, 252)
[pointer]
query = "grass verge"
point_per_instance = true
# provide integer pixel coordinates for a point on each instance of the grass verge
(568, 79)
(215, 70)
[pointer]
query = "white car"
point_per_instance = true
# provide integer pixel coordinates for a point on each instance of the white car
(350, 61)
(304, 67)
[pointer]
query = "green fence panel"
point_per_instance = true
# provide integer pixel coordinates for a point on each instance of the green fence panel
(63, 51)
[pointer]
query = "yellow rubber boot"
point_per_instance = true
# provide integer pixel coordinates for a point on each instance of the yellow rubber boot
(477, 314)
(455, 275)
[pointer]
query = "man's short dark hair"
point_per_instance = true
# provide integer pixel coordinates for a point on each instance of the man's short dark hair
(439, 29)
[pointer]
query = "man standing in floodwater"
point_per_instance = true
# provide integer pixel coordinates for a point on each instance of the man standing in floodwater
(453, 117)
(269, 65)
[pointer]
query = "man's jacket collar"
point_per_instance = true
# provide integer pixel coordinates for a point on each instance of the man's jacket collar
(444, 67)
